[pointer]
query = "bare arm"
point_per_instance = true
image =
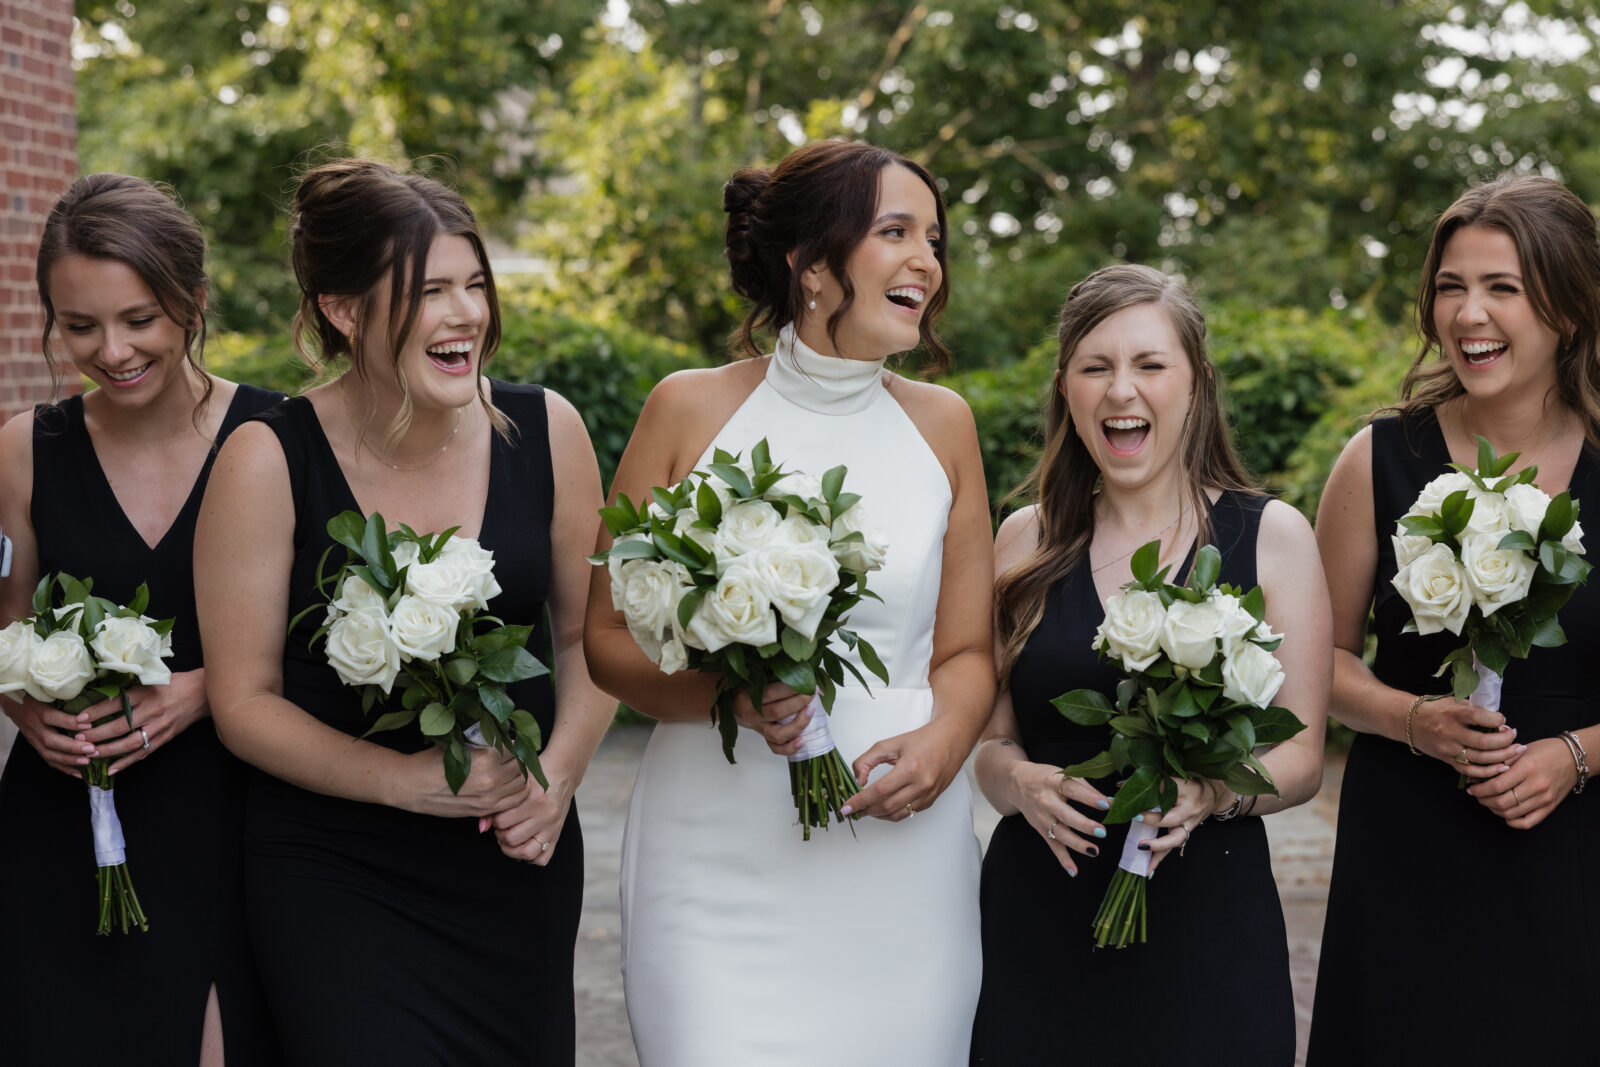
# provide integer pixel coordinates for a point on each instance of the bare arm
(244, 553)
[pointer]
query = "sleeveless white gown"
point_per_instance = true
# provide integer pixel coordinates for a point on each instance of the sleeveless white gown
(744, 946)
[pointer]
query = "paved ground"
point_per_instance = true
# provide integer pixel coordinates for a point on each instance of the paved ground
(1302, 854)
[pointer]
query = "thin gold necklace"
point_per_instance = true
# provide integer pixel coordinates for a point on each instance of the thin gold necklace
(1135, 548)
(428, 458)
(1472, 437)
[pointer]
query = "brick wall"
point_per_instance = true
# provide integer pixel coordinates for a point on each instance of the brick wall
(38, 159)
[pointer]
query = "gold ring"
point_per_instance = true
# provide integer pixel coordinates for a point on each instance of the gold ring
(1462, 759)
(1515, 797)
(910, 811)
(1187, 833)
(1051, 833)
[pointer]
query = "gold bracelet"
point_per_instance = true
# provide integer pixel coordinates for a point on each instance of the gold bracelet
(1415, 704)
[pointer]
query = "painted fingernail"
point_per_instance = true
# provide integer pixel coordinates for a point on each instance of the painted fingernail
(1521, 749)
(845, 810)
(1093, 851)
(1138, 818)
(1103, 804)
(1099, 831)
(1072, 872)
(1144, 846)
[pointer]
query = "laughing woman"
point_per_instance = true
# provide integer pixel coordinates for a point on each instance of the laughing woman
(1136, 450)
(390, 928)
(1469, 917)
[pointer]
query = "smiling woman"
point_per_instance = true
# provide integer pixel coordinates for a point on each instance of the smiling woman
(358, 852)
(106, 487)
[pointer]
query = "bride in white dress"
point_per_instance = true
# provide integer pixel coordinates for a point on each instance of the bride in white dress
(744, 945)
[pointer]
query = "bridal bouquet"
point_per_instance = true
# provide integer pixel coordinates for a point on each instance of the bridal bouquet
(410, 609)
(1489, 557)
(1196, 703)
(78, 650)
(746, 571)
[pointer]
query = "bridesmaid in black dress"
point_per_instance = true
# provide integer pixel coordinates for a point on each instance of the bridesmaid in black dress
(107, 486)
(1469, 920)
(391, 928)
(1134, 409)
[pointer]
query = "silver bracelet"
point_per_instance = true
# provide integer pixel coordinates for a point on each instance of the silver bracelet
(1231, 811)
(1580, 758)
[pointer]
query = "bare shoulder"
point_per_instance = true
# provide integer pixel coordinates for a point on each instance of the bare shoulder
(1353, 468)
(251, 452)
(564, 420)
(1285, 539)
(695, 388)
(16, 441)
(1017, 538)
(682, 415)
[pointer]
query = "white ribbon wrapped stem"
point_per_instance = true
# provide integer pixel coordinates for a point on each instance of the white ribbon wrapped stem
(109, 848)
(1134, 859)
(1487, 695)
(475, 737)
(815, 740)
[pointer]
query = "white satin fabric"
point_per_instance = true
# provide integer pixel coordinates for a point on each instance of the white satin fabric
(744, 945)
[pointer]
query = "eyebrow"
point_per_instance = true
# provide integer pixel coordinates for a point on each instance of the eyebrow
(899, 216)
(1491, 277)
(137, 309)
(446, 281)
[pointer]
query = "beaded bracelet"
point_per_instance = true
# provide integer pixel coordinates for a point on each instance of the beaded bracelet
(1580, 758)
(1415, 704)
(1231, 811)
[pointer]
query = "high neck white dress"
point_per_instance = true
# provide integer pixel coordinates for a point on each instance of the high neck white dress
(744, 946)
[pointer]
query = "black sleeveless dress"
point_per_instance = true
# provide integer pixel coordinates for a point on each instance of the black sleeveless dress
(1446, 928)
(386, 936)
(181, 813)
(1048, 994)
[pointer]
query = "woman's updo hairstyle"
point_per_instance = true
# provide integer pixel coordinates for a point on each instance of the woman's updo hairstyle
(356, 221)
(140, 224)
(819, 203)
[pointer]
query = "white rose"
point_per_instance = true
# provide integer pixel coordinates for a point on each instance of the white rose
(1190, 632)
(443, 582)
(615, 565)
(735, 612)
(1431, 499)
(1525, 506)
(356, 595)
(798, 579)
(423, 629)
(476, 563)
(1496, 577)
(868, 554)
(130, 646)
(1435, 586)
(17, 643)
(362, 651)
(745, 527)
(1237, 623)
(1132, 628)
(673, 656)
(1251, 675)
(59, 668)
(651, 592)
(1408, 547)
(796, 529)
(405, 554)
(1490, 515)
(798, 483)
(1573, 542)
(683, 525)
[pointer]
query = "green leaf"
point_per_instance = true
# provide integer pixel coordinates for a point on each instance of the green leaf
(496, 702)
(832, 482)
(1137, 794)
(460, 669)
(1143, 564)
(799, 647)
(870, 660)
(436, 720)
(1456, 512)
(391, 721)
(1132, 726)
(736, 479)
(1085, 707)
(797, 676)
(1196, 729)
(1548, 634)
(707, 503)
(1095, 767)
(1207, 567)
(511, 665)
(1517, 539)
(1558, 518)
(457, 765)
(760, 455)
(1274, 724)
(1255, 602)
(1486, 457)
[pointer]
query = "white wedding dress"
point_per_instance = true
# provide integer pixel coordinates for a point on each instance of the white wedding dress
(743, 945)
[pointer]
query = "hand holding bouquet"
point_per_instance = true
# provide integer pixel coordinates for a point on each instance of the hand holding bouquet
(746, 571)
(1197, 703)
(409, 609)
(1491, 558)
(76, 651)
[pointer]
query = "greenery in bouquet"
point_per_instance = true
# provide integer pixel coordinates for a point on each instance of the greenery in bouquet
(409, 611)
(749, 572)
(1488, 556)
(78, 650)
(1196, 703)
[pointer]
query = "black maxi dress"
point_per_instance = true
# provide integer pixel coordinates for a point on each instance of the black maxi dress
(386, 936)
(1211, 985)
(1447, 930)
(66, 995)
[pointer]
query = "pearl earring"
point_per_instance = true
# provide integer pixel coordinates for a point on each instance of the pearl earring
(813, 304)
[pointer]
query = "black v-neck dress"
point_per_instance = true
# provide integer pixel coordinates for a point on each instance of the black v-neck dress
(1048, 994)
(386, 936)
(66, 995)
(1449, 932)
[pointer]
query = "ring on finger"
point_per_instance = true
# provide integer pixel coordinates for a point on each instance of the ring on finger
(1051, 833)
(1462, 758)
(1517, 800)
(1187, 833)
(146, 738)
(544, 846)
(910, 811)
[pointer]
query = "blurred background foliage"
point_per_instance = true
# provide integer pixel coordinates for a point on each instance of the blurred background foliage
(1287, 157)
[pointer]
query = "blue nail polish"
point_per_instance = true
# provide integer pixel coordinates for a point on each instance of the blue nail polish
(1099, 831)
(1071, 873)
(1103, 804)
(1138, 818)
(1144, 846)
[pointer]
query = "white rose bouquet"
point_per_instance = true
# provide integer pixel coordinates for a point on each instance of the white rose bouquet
(1489, 557)
(746, 571)
(409, 609)
(76, 651)
(1197, 703)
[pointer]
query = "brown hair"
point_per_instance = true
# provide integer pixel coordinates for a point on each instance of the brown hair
(357, 220)
(1559, 253)
(1064, 481)
(819, 204)
(140, 224)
